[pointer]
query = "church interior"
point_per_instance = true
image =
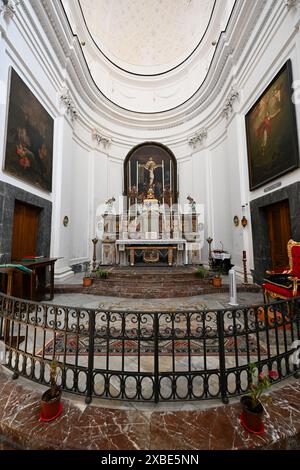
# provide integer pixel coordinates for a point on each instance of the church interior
(149, 224)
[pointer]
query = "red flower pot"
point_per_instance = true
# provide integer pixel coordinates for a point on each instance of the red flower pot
(87, 281)
(217, 282)
(50, 407)
(252, 418)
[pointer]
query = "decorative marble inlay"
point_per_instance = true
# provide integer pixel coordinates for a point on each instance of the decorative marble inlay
(84, 427)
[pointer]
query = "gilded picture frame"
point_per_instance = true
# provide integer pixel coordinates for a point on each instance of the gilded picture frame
(271, 129)
(29, 136)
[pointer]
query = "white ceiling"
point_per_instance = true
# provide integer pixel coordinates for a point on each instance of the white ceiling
(148, 56)
(147, 33)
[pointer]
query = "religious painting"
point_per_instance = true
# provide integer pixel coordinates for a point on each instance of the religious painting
(272, 137)
(150, 174)
(29, 137)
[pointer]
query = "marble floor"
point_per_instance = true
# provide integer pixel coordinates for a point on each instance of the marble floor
(142, 426)
(203, 302)
(41, 344)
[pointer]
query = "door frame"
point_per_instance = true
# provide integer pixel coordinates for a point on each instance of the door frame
(8, 195)
(260, 237)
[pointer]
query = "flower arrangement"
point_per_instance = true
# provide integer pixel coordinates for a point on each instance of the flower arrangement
(252, 414)
(260, 383)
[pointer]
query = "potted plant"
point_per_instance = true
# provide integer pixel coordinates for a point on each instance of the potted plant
(252, 414)
(51, 406)
(87, 279)
(217, 279)
(201, 272)
(102, 273)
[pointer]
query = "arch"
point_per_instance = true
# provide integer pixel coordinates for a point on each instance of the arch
(165, 175)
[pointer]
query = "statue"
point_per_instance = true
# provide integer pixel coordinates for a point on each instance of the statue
(109, 205)
(192, 203)
(150, 166)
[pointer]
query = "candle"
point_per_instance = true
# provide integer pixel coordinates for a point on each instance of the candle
(129, 175)
(137, 177)
(163, 182)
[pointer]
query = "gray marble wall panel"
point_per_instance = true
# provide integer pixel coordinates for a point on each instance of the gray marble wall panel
(261, 243)
(8, 195)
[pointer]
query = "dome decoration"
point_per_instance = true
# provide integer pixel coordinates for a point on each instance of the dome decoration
(149, 34)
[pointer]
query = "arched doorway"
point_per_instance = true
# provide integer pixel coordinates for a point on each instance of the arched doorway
(150, 170)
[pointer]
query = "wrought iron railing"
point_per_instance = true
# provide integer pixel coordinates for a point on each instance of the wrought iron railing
(149, 356)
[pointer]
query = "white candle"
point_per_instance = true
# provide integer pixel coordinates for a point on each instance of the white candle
(163, 182)
(129, 175)
(137, 177)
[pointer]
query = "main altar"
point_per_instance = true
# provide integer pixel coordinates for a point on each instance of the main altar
(151, 228)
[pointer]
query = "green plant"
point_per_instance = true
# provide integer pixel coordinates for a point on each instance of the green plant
(201, 271)
(102, 273)
(87, 269)
(259, 383)
(54, 372)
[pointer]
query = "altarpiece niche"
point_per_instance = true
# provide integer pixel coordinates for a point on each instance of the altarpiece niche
(150, 173)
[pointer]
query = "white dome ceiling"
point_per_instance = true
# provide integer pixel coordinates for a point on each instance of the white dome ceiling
(151, 34)
(148, 56)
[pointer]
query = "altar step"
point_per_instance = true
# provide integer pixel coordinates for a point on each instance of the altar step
(150, 285)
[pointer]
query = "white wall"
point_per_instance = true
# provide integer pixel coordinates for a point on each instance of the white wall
(85, 174)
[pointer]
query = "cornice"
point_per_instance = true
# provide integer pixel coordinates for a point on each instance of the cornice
(70, 57)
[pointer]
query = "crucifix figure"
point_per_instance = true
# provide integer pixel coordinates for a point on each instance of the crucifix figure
(150, 166)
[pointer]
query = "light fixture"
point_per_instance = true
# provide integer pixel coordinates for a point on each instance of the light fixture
(244, 220)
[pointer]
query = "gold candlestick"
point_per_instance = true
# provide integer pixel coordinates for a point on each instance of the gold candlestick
(95, 241)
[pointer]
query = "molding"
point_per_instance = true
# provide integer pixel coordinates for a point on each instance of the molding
(244, 20)
(100, 139)
(68, 103)
(7, 8)
(198, 138)
(228, 106)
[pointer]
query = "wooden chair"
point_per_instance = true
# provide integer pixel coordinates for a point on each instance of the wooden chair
(284, 284)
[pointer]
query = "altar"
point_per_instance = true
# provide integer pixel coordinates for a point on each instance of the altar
(151, 226)
(151, 249)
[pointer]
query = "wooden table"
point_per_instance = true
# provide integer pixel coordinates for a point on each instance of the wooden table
(10, 272)
(36, 289)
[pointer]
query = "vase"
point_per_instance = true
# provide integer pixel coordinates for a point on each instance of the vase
(252, 418)
(87, 281)
(50, 407)
(217, 282)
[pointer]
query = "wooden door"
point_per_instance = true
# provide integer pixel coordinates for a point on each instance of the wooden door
(279, 224)
(24, 239)
(25, 230)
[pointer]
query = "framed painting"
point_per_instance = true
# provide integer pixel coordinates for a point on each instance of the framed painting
(29, 136)
(272, 138)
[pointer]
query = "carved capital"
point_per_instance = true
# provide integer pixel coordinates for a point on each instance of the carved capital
(198, 138)
(228, 106)
(7, 8)
(100, 139)
(68, 103)
(291, 3)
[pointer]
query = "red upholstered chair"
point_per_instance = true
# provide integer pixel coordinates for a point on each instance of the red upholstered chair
(284, 284)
